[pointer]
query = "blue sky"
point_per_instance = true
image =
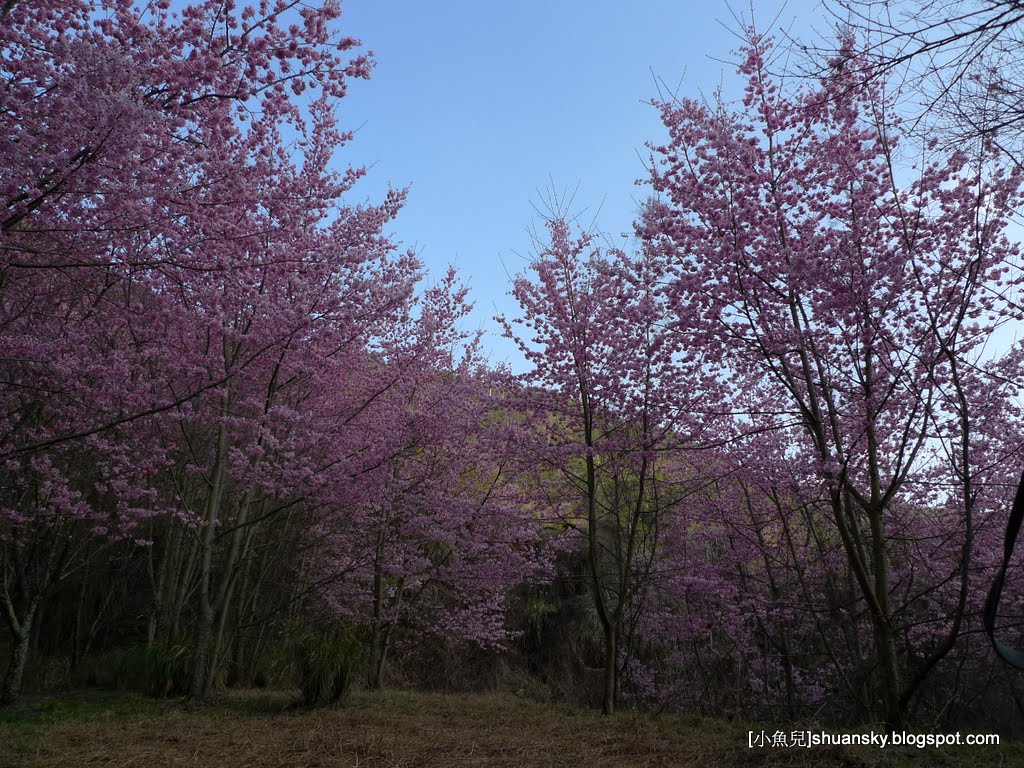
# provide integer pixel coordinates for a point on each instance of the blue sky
(483, 107)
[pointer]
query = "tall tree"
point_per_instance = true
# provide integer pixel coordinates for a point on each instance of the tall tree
(615, 390)
(845, 299)
(426, 532)
(171, 269)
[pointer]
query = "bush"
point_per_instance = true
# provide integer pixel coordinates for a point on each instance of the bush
(157, 670)
(167, 669)
(272, 666)
(326, 663)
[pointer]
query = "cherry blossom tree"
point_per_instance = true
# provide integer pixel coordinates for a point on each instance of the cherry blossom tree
(851, 303)
(175, 258)
(614, 391)
(423, 529)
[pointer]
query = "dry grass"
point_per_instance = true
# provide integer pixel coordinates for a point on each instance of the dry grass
(395, 729)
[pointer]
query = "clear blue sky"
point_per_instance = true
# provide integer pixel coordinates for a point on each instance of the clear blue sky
(481, 106)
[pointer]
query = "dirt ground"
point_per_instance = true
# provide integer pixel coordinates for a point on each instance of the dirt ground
(392, 729)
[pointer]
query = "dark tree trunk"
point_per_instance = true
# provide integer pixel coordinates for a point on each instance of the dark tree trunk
(14, 678)
(611, 668)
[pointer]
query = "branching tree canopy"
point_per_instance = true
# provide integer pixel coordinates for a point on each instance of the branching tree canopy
(961, 62)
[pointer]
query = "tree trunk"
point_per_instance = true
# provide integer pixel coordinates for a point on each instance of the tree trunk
(218, 640)
(170, 558)
(240, 540)
(380, 641)
(10, 690)
(204, 627)
(611, 667)
(200, 661)
(892, 680)
(181, 589)
(76, 632)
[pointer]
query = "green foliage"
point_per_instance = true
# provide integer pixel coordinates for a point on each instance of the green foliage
(326, 663)
(158, 670)
(272, 667)
(536, 609)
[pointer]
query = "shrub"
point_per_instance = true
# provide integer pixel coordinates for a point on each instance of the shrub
(158, 670)
(326, 663)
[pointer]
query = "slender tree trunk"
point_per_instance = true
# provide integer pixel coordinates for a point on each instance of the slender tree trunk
(611, 668)
(594, 553)
(375, 673)
(242, 611)
(159, 617)
(200, 661)
(892, 679)
(13, 679)
(76, 634)
(204, 625)
(380, 641)
(181, 589)
(10, 689)
(376, 667)
(222, 612)
(884, 641)
(240, 540)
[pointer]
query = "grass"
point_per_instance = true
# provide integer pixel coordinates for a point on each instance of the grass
(396, 728)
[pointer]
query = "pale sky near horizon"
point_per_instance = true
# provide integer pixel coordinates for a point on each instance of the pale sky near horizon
(484, 108)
